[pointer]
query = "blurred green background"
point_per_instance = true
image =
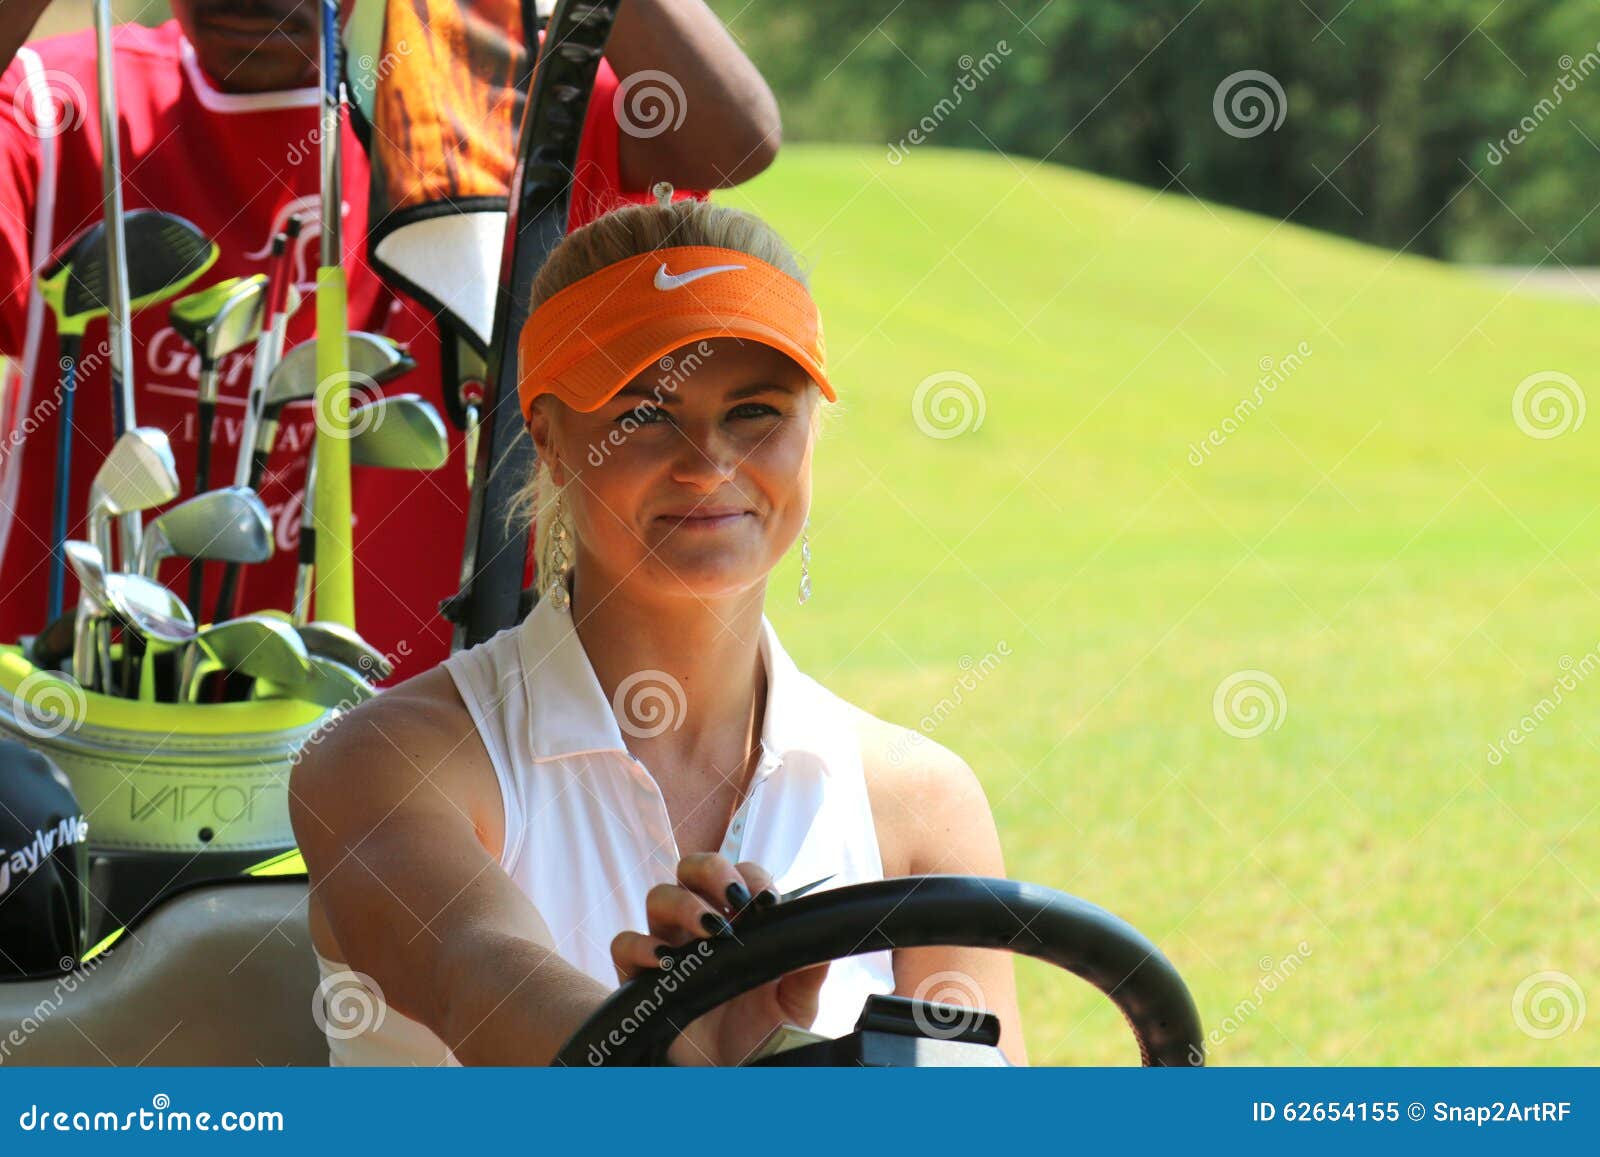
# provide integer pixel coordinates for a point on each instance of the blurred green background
(1061, 509)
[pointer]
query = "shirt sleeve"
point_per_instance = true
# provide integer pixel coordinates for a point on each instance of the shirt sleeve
(19, 179)
(597, 180)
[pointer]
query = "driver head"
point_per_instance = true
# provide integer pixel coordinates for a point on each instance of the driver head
(226, 525)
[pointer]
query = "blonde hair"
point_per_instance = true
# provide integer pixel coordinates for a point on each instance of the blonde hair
(615, 236)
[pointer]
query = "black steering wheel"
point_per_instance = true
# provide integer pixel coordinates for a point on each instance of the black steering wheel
(641, 1019)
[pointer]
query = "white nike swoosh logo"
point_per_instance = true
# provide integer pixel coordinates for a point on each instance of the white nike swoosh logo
(665, 280)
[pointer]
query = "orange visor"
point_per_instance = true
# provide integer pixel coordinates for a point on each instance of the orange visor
(598, 334)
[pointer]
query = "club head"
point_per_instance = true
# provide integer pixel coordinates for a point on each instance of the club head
(89, 565)
(226, 525)
(295, 378)
(138, 474)
(222, 318)
(260, 646)
(400, 432)
(343, 645)
(329, 684)
(148, 609)
(166, 254)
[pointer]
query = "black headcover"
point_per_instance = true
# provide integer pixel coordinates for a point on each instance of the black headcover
(44, 867)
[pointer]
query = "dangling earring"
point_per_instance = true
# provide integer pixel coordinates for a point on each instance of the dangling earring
(805, 562)
(560, 557)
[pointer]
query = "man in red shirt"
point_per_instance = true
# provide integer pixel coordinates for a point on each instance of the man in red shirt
(219, 114)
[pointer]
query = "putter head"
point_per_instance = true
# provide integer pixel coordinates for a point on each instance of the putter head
(329, 684)
(166, 254)
(226, 525)
(222, 318)
(260, 646)
(343, 645)
(400, 432)
(138, 474)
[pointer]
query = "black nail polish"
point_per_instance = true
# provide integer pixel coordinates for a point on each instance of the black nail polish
(716, 925)
(664, 952)
(766, 898)
(738, 896)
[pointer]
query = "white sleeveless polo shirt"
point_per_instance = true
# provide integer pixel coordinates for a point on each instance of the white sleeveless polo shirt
(586, 829)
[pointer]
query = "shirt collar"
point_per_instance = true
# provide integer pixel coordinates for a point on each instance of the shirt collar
(569, 713)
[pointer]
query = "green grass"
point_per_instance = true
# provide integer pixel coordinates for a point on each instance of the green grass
(1379, 535)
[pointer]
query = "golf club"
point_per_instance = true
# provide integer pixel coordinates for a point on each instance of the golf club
(282, 300)
(167, 255)
(92, 670)
(402, 432)
(259, 646)
(374, 359)
(216, 322)
(228, 525)
(341, 643)
(137, 475)
(329, 684)
(148, 613)
(332, 498)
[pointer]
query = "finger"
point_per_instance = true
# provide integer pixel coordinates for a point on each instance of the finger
(715, 880)
(634, 953)
(676, 914)
(763, 888)
(800, 993)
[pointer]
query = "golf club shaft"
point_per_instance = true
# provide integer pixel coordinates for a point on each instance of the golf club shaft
(306, 568)
(58, 528)
(202, 468)
(335, 575)
(269, 347)
(120, 337)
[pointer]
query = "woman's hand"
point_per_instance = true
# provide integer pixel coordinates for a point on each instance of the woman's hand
(709, 895)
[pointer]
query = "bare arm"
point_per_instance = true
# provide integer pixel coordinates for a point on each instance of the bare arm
(933, 818)
(17, 18)
(396, 810)
(731, 129)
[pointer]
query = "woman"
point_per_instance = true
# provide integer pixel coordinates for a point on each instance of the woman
(495, 843)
